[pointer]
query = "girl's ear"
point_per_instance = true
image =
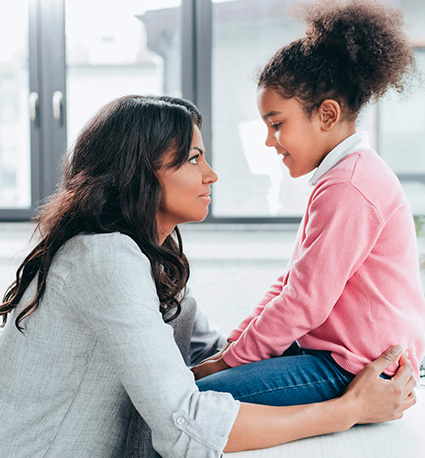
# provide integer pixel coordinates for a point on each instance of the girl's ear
(329, 114)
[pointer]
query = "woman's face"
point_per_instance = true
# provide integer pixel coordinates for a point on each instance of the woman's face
(186, 190)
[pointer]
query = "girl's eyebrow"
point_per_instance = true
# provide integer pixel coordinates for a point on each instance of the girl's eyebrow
(199, 149)
(271, 113)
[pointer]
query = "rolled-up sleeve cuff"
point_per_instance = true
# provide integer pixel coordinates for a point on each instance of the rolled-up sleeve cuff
(209, 427)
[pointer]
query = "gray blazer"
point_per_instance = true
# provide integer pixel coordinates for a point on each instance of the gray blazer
(97, 372)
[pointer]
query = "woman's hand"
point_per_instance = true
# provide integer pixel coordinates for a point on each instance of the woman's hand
(368, 399)
(375, 399)
(209, 366)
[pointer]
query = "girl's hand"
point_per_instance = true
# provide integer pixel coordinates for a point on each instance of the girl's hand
(208, 367)
(375, 399)
(216, 355)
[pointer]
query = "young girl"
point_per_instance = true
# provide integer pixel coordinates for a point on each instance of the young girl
(352, 287)
(89, 365)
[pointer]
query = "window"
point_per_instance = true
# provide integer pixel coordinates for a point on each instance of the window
(70, 57)
(253, 183)
(109, 53)
(15, 166)
(401, 141)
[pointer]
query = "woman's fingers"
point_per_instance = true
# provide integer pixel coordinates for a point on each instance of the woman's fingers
(405, 370)
(387, 359)
(410, 400)
(377, 399)
(404, 377)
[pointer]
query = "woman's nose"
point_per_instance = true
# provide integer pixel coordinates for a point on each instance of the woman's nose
(209, 176)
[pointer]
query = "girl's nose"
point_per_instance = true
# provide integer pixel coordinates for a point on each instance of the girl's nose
(270, 139)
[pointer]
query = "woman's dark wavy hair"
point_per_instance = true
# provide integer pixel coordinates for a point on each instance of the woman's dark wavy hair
(110, 184)
(353, 51)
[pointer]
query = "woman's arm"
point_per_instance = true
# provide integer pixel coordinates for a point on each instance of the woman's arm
(205, 342)
(368, 399)
(110, 291)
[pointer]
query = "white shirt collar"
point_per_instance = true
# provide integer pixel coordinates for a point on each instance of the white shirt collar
(355, 142)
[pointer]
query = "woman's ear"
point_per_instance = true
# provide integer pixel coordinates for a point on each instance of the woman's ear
(329, 114)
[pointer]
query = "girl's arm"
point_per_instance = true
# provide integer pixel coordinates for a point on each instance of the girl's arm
(368, 399)
(329, 254)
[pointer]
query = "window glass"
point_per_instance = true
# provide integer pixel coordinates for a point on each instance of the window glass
(252, 180)
(112, 50)
(15, 166)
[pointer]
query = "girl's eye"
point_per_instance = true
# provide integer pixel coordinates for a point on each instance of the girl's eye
(276, 126)
(194, 159)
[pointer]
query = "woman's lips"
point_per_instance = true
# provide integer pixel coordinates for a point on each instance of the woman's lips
(206, 196)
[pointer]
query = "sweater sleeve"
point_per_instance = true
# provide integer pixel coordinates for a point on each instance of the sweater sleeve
(341, 228)
(111, 290)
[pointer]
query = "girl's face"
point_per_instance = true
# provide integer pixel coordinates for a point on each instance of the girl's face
(300, 141)
(186, 190)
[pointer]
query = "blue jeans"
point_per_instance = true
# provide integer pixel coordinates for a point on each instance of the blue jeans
(299, 376)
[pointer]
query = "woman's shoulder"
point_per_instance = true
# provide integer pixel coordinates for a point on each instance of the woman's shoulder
(102, 255)
(102, 245)
(92, 241)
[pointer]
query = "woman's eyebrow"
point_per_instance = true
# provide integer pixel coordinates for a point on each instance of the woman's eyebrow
(199, 149)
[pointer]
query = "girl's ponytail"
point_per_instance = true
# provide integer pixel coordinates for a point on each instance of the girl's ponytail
(353, 51)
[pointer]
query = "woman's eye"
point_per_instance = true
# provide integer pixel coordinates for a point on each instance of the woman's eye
(194, 159)
(276, 126)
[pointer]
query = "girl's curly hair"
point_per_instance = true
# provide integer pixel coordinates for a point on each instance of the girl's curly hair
(352, 52)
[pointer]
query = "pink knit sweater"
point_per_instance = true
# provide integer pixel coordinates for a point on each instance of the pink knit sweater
(353, 285)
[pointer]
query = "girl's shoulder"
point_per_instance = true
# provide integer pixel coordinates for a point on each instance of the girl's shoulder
(370, 178)
(363, 168)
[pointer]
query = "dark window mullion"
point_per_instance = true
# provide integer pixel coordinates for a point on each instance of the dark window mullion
(188, 49)
(35, 87)
(203, 77)
(52, 61)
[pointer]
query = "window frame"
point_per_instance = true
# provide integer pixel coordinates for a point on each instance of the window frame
(46, 67)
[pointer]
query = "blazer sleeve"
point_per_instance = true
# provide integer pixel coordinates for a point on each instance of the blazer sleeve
(111, 290)
(205, 341)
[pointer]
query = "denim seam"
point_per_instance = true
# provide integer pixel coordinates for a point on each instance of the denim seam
(293, 386)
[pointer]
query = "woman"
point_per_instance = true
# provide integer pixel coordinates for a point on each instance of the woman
(89, 363)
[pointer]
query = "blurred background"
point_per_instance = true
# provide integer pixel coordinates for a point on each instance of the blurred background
(61, 60)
